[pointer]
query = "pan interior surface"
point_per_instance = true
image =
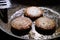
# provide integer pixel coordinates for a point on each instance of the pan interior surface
(12, 13)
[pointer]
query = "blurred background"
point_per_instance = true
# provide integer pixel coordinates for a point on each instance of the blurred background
(37, 2)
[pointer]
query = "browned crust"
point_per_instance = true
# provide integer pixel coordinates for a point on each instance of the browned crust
(21, 23)
(47, 23)
(29, 15)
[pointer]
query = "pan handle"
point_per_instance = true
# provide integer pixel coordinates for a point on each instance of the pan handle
(4, 15)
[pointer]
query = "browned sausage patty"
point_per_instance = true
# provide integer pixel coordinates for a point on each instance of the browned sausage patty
(33, 12)
(45, 23)
(21, 23)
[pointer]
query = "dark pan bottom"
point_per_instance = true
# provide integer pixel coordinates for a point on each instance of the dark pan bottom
(33, 18)
(45, 32)
(20, 32)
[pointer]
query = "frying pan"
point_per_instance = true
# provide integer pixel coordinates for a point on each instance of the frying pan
(18, 12)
